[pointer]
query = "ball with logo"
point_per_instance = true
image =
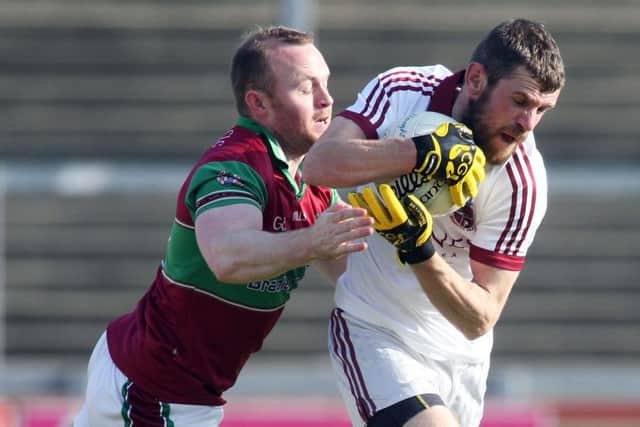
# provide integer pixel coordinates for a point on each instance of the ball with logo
(434, 193)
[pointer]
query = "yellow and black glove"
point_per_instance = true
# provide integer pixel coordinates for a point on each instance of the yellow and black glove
(406, 223)
(449, 154)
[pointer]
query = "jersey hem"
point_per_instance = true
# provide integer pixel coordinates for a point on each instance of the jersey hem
(219, 298)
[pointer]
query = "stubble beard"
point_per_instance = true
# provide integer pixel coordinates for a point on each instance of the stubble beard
(472, 117)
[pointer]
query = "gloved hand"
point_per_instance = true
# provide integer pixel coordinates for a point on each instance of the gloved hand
(449, 154)
(406, 223)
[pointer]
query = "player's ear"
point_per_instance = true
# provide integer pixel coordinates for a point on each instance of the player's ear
(257, 102)
(475, 79)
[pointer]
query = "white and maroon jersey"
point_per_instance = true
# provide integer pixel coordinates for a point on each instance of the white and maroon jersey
(495, 228)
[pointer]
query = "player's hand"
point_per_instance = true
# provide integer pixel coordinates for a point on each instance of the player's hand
(338, 230)
(449, 154)
(406, 223)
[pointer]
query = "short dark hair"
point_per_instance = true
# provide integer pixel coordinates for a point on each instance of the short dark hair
(250, 63)
(520, 42)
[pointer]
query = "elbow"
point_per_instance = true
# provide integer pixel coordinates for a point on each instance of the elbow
(474, 333)
(477, 328)
(222, 273)
(224, 269)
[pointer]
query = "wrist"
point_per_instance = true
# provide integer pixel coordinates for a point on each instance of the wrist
(419, 254)
(427, 159)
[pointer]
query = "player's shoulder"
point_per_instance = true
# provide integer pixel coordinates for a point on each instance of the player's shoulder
(235, 144)
(435, 72)
(238, 137)
(409, 88)
(238, 150)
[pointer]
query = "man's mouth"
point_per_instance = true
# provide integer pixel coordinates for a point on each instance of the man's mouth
(513, 138)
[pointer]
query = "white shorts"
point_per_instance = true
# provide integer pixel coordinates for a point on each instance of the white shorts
(375, 369)
(113, 400)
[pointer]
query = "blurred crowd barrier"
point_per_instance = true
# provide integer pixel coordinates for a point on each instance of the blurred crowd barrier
(287, 411)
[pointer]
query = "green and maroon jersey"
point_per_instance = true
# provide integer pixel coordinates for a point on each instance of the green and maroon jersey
(190, 334)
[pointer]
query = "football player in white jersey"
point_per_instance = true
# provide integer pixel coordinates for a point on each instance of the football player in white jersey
(410, 341)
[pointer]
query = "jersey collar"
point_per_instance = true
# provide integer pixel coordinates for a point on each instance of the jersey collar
(446, 93)
(274, 147)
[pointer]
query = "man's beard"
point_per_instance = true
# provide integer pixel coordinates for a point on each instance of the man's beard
(472, 117)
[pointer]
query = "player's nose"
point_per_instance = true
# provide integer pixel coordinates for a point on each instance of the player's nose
(324, 98)
(528, 120)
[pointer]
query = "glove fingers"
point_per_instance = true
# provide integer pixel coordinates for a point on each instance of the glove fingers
(471, 185)
(455, 191)
(479, 172)
(357, 201)
(376, 208)
(476, 175)
(480, 158)
(468, 187)
(394, 210)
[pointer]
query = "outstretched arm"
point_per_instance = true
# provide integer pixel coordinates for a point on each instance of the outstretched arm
(343, 157)
(237, 250)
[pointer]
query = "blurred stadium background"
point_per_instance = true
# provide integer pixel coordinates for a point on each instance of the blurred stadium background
(104, 105)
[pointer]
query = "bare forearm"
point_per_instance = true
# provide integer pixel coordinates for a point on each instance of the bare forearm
(468, 306)
(343, 157)
(247, 255)
(384, 160)
(237, 251)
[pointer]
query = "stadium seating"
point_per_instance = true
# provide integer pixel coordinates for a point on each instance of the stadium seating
(146, 82)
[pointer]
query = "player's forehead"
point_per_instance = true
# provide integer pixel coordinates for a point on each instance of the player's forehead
(299, 62)
(520, 83)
